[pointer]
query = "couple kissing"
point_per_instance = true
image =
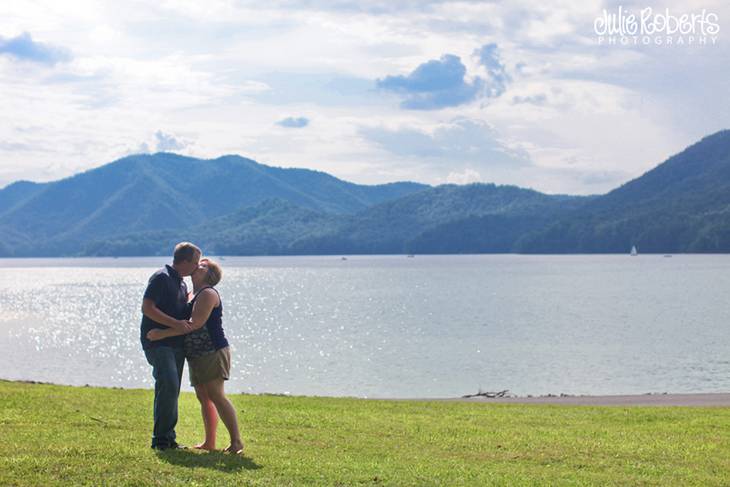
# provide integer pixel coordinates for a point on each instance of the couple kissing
(178, 326)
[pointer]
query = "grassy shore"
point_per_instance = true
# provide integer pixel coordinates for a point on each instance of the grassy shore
(90, 436)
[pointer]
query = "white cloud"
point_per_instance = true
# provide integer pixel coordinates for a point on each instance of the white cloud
(168, 142)
(466, 177)
(218, 76)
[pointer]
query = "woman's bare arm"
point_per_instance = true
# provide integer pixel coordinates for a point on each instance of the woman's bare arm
(151, 311)
(204, 304)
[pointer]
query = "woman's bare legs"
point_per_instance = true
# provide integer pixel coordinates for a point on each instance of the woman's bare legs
(210, 417)
(227, 413)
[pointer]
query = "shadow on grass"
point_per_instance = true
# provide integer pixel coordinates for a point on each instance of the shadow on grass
(224, 462)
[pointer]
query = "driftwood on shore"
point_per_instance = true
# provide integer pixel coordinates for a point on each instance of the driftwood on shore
(504, 393)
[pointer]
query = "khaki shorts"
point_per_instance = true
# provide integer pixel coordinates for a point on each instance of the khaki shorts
(216, 365)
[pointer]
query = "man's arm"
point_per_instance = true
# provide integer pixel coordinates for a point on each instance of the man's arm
(151, 311)
(205, 303)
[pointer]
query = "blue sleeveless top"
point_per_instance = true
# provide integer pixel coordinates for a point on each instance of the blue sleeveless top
(210, 337)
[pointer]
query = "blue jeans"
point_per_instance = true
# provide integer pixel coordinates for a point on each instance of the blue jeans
(167, 368)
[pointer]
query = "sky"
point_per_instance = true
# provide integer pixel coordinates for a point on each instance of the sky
(522, 92)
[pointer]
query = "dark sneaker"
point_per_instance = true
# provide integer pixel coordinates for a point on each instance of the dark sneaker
(172, 446)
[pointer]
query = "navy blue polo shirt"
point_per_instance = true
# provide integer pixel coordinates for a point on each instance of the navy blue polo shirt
(170, 293)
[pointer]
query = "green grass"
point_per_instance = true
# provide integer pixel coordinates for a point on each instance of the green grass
(90, 436)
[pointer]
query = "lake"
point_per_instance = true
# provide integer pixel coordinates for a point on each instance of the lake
(392, 326)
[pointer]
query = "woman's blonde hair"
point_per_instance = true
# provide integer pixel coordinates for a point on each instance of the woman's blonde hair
(214, 274)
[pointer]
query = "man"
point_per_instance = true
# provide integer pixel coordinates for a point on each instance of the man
(165, 305)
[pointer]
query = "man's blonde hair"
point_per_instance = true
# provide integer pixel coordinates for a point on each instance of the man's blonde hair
(215, 273)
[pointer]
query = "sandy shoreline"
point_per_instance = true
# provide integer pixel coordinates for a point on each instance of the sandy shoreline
(696, 399)
(709, 399)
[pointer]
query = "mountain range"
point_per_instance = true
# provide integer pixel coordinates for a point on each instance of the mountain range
(144, 204)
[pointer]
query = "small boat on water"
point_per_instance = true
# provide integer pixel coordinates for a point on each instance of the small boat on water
(634, 252)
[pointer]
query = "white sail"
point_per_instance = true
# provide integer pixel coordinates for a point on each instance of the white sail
(634, 251)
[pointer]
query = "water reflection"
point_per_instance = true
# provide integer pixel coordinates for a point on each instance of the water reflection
(391, 326)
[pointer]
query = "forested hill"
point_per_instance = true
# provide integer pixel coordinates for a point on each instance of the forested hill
(682, 205)
(142, 205)
(164, 192)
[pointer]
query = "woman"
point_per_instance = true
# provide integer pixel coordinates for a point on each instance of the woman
(208, 355)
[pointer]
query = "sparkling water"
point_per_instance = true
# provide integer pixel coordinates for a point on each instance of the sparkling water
(393, 326)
